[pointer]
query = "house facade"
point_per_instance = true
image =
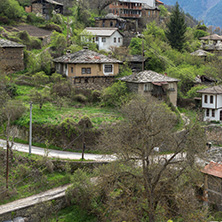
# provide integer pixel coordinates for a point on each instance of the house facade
(88, 69)
(105, 38)
(11, 56)
(212, 103)
(150, 83)
(45, 7)
(135, 9)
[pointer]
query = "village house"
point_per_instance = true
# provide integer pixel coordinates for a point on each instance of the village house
(151, 83)
(11, 56)
(212, 43)
(136, 62)
(213, 184)
(136, 9)
(201, 54)
(212, 103)
(88, 69)
(105, 38)
(45, 7)
(111, 20)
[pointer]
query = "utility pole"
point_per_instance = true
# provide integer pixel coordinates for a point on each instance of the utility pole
(83, 142)
(30, 129)
(143, 54)
(7, 163)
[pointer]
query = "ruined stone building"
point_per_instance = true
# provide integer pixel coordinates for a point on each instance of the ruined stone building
(11, 56)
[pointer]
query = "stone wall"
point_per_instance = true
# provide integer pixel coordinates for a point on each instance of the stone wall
(37, 8)
(92, 83)
(214, 134)
(11, 59)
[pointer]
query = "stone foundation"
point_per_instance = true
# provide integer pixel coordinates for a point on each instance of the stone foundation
(92, 83)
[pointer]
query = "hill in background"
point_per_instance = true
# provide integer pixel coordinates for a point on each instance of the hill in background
(207, 10)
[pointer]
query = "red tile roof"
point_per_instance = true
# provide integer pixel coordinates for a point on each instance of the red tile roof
(159, 2)
(214, 169)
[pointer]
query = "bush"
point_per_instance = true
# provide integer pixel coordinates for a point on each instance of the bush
(193, 91)
(115, 95)
(80, 98)
(56, 77)
(33, 19)
(40, 78)
(62, 89)
(52, 27)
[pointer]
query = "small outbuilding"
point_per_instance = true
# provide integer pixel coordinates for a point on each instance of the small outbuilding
(151, 83)
(11, 56)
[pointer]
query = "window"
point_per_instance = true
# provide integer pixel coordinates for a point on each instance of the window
(211, 99)
(103, 39)
(71, 69)
(213, 112)
(86, 70)
(205, 98)
(171, 87)
(207, 112)
(97, 38)
(119, 39)
(114, 39)
(111, 24)
(148, 87)
(108, 69)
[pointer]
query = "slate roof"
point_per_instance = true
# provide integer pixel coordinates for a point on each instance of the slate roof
(135, 58)
(200, 53)
(54, 2)
(212, 90)
(148, 76)
(100, 31)
(214, 169)
(112, 16)
(85, 56)
(211, 37)
(4, 43)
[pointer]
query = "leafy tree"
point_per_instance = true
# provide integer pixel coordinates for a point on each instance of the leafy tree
(39, 97)
(11, 9)
(176, 28)
(149, 124)
(136, 46)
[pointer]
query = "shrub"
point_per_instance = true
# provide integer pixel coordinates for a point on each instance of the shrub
(40, 78)
(62, 89)
(56, 77)
(33, 19)
(80, 98)
(115, 95)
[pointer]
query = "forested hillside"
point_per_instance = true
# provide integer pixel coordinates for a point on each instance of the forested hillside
(206, 10)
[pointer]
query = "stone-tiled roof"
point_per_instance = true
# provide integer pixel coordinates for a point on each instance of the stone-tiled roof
(200, 53)
(54, 2)
(86, 56)
(135, 58)
(211, 37)
(148, 76)
(212, 90)
(4, 43)
(100, 31)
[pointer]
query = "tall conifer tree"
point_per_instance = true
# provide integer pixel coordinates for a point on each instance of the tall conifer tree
(176, 28)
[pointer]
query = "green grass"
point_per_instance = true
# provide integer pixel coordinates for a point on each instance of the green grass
(191, 114)
(73, 214)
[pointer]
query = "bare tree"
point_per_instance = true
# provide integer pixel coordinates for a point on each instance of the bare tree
(148, 126)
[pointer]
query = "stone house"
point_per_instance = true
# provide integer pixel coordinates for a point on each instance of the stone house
(111, 20)
(212, 43)
(105, 38)
(136, 62)
(11, 56)
(45, 7)
(213, 184)
(154, 84)
(88, 69)
(212, 103)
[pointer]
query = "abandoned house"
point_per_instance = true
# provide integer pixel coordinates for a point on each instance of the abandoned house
(105, 38)
(213, 184)
(136, 62)
(212, 43)
(212, 103)
(111, 20)
(11, 56)
(45, 7)
(88, 69)
(151, 83)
